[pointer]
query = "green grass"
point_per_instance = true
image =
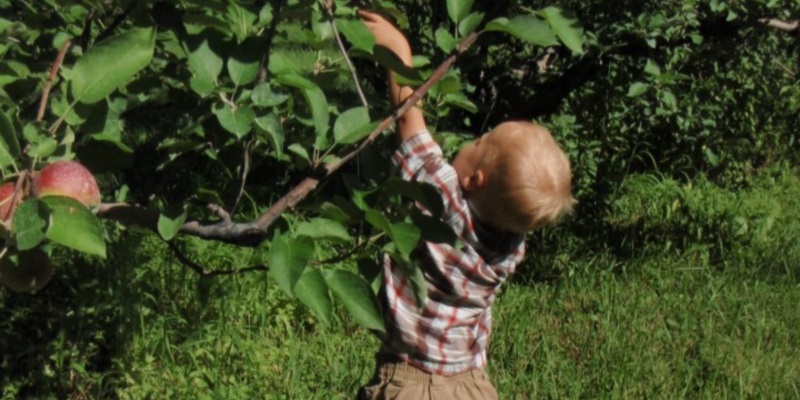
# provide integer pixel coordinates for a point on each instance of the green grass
(674, 329)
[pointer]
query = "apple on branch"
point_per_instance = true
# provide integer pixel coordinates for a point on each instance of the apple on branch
(69, 179)
(26, 271)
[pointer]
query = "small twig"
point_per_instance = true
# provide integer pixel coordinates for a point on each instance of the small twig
(48, 84)
(227, 101)
(220, 212)
(86, 35)
(203, 271)
(788, 26)
(117, 21)
(350, 66)
(345, 255)
(245, 172)
(785, 69)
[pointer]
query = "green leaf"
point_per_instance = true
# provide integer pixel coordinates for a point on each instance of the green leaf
(413, 270)
(458, 9)
(378, 220)
(74, 226)
(324, 229)
(271, 125)
(203, 56)
(711, 157)
(652, 68)
(525, 27)
(280, 63)
(434, 229)
(566, 27)
(9, 143)
(202, 86)
(320, 26)
(670, 100)
(287, 260)
(264, 96)
(451, 83)
(316, 102)
(30, 223)
(299, 150)
(319, 112)
(245, 62)
(405, 237)
(111, 63)
(265, 15)
(312, 290)
(358, 298)
(638, 89)
(237, 121)
(357, 33)
(352, 125)
(294, 80)
(170, 222)
(460, 100)
(470, 22)
(423, 193)
(241, 20)
(445, 40)
(389, 60)
(43, 149)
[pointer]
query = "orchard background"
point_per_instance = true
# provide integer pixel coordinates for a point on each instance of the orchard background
(241, 150)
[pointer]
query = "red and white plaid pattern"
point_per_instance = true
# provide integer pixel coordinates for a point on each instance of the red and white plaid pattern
(450, 333)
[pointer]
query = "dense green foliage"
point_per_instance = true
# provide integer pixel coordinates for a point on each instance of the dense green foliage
(675, 278)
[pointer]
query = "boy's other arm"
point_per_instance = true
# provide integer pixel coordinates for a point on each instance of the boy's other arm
(386, 35)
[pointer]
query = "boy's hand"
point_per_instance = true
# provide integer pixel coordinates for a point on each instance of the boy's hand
(387, 35)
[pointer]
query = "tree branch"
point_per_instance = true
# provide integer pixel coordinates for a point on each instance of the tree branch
(254, 232)
(203, 271)
(48, 84)
(788, 26)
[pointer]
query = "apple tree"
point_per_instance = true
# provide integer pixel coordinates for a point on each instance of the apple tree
(196, 116)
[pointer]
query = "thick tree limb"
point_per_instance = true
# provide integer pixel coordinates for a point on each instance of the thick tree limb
(788, 26)
(254, 232)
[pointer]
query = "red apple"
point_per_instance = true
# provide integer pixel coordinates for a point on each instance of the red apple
(67, 178)
(27, 271)
(7, 203)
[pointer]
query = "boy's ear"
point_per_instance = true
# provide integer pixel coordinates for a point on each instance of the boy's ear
(473, 182)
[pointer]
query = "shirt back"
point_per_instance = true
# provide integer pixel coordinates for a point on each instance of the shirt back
(450, 332)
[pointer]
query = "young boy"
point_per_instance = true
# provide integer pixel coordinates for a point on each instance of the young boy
(511, 180)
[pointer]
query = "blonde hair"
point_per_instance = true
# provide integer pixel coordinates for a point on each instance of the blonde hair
(528, 183)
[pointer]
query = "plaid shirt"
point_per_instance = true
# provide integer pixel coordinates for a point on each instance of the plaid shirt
(450, 333)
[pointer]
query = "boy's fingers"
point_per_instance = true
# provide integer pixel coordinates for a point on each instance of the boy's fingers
(370, 16)
(366, 15)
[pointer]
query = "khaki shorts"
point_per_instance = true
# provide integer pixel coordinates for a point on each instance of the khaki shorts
(399, 381)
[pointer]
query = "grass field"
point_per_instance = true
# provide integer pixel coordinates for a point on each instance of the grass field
(144, 327)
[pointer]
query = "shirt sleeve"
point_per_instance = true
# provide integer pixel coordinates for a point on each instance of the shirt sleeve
(420, 159)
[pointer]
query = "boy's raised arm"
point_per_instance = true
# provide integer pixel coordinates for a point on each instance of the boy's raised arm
(386, 35)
